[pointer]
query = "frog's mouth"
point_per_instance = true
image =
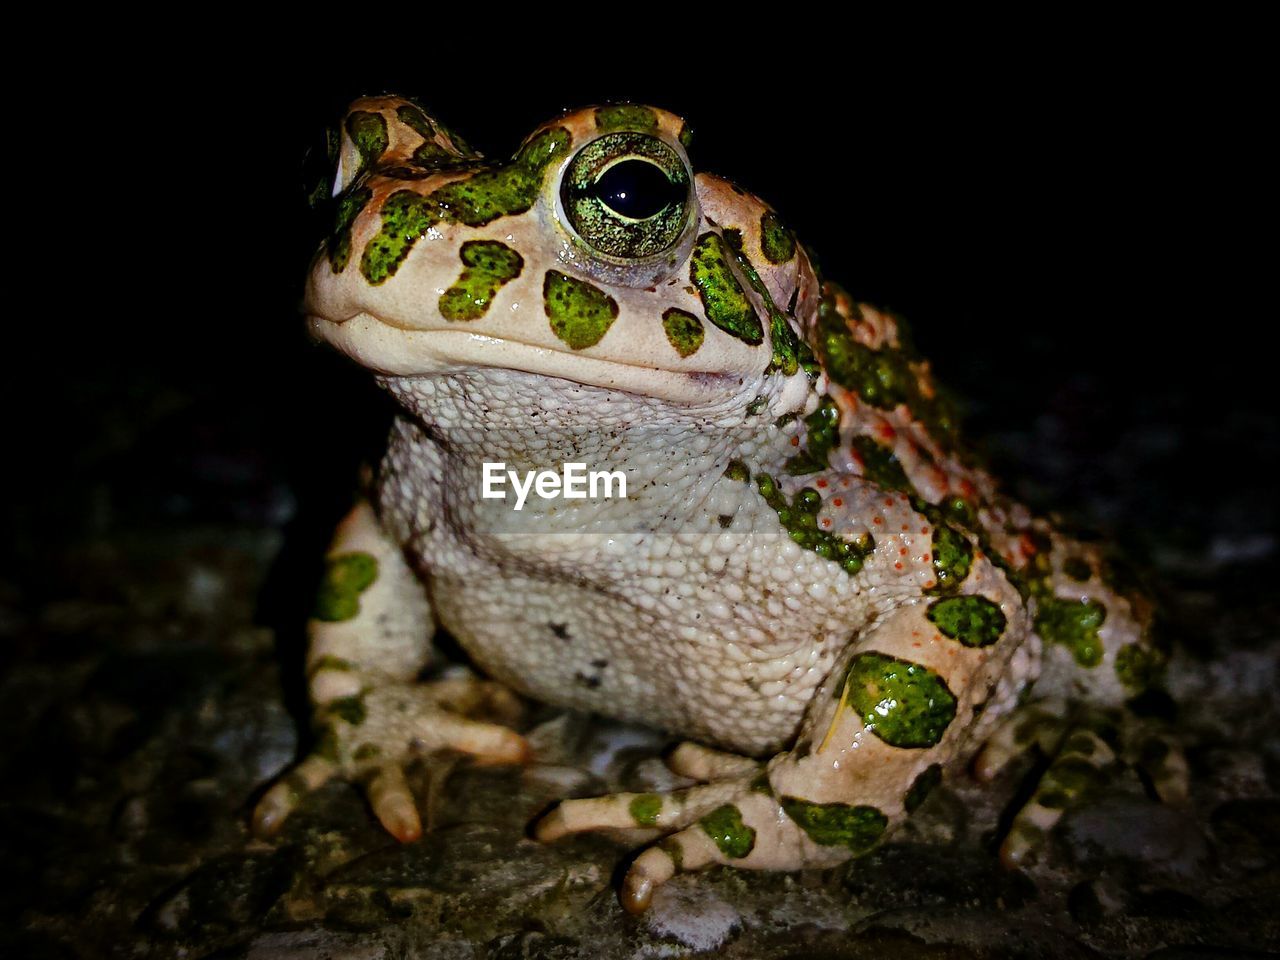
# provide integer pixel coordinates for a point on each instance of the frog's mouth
(395, 351)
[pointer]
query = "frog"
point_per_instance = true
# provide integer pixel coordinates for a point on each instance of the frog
(811, 581)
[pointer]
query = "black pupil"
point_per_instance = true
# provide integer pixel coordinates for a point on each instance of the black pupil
(636, 189)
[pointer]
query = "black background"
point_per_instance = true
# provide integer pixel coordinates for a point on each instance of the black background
(1077, 232)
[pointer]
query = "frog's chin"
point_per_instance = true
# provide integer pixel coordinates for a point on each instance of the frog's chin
(394, 351)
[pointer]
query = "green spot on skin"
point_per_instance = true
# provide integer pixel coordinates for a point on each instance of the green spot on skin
(723, 298)
(416, 119)
(883, 378)
(1074, 624)
(790, 353)
(800, 519)
(952, 557)
(475, 201)
(757, 406)
(1139, 667)
(346, 576)
(903, 703)
(671, 847)
(1067, 777)
(645, 808)
(724, 825)
(922, 786)
(822, 432)
(486, 266)
(880, 465)
(737, 470)
(627, 116)
(431, 155)
(350, 709)
(368, 131)
(837, 824)
(580, 313)
(349, 206)
(974, 621)
(776, 241)
(684, 331)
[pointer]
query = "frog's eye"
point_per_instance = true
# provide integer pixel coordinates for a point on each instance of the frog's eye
(627, 195)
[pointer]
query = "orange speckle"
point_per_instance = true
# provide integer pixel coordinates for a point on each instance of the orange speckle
(1027, 545)
(821, 484)
(924, 530)
(902, 552)
(877, 520)
(837, 502)
(967, 489)
(826, 521)
(889, 502)
(886, 431)
(905, 528)
(925, 557)
(897, 565)
(795, 441)
(931, 584)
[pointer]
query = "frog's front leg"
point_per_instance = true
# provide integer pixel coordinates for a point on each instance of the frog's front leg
(874, 740)
(370, 637)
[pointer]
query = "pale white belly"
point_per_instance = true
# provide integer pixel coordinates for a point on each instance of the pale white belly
(671, 655)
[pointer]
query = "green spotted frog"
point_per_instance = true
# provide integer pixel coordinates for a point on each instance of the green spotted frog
(808, 581)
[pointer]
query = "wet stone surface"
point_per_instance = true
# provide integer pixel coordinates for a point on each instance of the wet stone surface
(151, 689)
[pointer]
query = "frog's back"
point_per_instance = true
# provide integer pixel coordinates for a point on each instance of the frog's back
(899, 428)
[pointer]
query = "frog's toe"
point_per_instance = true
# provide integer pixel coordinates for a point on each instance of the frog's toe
(629, 811)
(288, 792)
(485, 743)
(658, 864)
(697, 762)
(392, 802)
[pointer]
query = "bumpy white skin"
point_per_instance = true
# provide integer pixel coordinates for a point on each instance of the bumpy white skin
(686, 605)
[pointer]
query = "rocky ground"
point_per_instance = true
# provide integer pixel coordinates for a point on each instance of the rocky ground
(151, 605)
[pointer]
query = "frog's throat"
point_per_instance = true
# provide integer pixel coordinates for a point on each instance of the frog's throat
(395, 351)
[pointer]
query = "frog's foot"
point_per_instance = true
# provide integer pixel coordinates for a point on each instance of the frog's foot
(1080, 753)
(369, 737)
(736, 822)
(1077, 766)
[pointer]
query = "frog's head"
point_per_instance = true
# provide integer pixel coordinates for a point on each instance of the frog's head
(594, 255)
